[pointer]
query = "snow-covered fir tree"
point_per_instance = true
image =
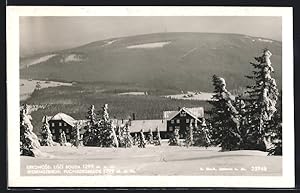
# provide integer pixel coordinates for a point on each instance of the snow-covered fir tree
(274, 134)
(141, 140)
(62, 139)
(75, 135)
(189, 139)
(107, 136)
(261, 103)
(29, 143)
(157, 140)
(224, 117)
(46, 133)
(201, 135)
(125, 139)
(90, 137)
(174, 138)
(135, 139)
(119, 133)
(91, 115)
(150, 137)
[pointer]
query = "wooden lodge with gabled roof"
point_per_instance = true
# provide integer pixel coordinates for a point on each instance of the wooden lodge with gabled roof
(62, 122)
(182, 118)
(59, 123)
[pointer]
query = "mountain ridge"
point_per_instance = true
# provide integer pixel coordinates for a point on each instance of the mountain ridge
(186, 62)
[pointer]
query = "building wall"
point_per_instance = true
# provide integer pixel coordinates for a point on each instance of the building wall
(57, 127)
(181, 122)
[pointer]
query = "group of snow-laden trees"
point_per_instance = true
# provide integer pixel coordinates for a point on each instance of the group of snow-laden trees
(100, 132)
(195, 135)
(250, 121)
(141, 141)
(124, 137)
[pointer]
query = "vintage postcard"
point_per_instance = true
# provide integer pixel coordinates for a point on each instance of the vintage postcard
(150, 96)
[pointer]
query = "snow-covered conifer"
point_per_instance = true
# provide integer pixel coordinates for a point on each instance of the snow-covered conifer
(157, 138)
(135, 139)
(189, 139)
(224, 117)
(150, 137)
(75, 135)
(261, 104)
(127, 139)
(62, 139)
(174, 138)
(107, 136)
(90, 137)
(201, 135)
(46, 133)
(141, 140)
(29, 143)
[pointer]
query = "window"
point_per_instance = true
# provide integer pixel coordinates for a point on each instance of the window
(53, 130)
(187, 120)
(53, 124)
(182, 113)
(54, 137)
(178, 121)
(170, 128)
(60, 130)
(60, 124)
(172, 121)
(177, 127)
(68, 136)
(67, 130)
(65, 124)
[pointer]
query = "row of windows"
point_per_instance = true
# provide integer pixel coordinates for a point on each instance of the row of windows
(171, 128)
(178, 121)
(60, 131)
(59, 124)
(176, 127)
(67, 137)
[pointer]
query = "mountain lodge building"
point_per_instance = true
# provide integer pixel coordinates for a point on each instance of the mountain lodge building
(182, 119)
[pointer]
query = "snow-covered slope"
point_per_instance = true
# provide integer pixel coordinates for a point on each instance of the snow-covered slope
(166, 60)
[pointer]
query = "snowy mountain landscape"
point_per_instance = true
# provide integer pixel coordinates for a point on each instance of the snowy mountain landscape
(110, 85)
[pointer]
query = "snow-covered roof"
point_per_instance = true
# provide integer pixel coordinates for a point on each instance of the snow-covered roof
(146, 125)
(62, 116)
(196, 112)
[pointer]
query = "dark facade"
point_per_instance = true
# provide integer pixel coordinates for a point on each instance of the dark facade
(182, 122)
(57, 127)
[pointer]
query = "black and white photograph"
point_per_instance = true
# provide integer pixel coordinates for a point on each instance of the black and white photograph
(156, 95)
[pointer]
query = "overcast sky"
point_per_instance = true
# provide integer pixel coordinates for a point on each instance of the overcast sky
(42, 34)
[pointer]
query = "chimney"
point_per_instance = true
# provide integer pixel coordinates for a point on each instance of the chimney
(122, 121)
(178, 108)
(133, 116)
